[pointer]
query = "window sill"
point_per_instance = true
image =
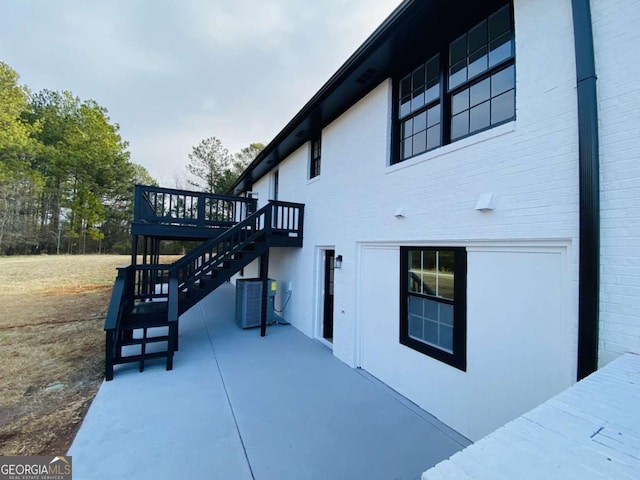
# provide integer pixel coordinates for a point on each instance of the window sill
(455, 146)
(313, 180)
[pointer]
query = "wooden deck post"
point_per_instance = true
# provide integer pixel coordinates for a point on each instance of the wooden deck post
(110, 346)
(264, 276)
(134, 249)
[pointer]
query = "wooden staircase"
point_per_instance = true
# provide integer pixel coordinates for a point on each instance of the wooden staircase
(148, 298)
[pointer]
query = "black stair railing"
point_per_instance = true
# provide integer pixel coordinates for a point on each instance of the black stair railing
(281, 218)
(121, 300)
(150, 281)
(137, 284)
(170, 206)
(213, 253)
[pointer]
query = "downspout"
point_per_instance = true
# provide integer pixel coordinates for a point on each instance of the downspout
(588, 160)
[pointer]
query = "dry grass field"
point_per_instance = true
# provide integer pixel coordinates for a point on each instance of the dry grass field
(52, 310)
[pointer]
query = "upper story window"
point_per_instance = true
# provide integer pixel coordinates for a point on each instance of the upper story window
(275, 184)
(465, 89)
(419, 110)
(316, 153)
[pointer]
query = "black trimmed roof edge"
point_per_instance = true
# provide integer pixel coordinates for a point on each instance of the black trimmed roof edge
(356, 59)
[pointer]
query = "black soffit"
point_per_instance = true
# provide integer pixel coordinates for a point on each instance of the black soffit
(395, 46)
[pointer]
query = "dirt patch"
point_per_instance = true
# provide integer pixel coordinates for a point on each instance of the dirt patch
(52, 312)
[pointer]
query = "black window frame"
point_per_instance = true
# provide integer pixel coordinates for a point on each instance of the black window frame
(415, 106)
(315, 160)
(458, 357)
(448, 92)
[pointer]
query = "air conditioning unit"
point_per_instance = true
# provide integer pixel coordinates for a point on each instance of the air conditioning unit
(249, 302)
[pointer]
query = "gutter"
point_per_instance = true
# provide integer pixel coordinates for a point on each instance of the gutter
(589, 175)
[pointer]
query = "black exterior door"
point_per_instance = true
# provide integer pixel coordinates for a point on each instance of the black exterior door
(329, 265)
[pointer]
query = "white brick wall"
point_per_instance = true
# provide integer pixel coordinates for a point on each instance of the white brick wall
(531, 167)
(617, 43)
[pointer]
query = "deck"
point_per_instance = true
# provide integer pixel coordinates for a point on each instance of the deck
(238, 406)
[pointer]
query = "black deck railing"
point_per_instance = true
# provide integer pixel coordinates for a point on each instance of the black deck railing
(136, 283)
(275, 218)
(282, 218)
(151, 281)
(121, 300)
(169, 206)
(275, 224)
(287, 218)
(121, 296)
(146, 282)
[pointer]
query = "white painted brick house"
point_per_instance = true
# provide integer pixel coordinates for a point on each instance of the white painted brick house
(456, 210)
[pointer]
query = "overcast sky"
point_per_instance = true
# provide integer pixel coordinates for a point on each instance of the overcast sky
(173, 72)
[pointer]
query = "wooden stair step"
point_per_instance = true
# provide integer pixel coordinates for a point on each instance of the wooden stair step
(144, 341)
(138, 358)
(145, 320)
(149, 307)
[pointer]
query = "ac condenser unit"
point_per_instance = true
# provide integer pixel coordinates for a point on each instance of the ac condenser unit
(249, 302)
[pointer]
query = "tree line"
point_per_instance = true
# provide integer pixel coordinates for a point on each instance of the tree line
(66, 177)
(65, 174)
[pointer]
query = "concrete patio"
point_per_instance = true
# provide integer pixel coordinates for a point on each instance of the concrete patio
(237, 406)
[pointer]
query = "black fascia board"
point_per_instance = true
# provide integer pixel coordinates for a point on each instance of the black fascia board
(334, 96)
(404, 39)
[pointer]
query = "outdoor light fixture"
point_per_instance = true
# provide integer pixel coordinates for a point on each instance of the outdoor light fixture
(338, 261)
